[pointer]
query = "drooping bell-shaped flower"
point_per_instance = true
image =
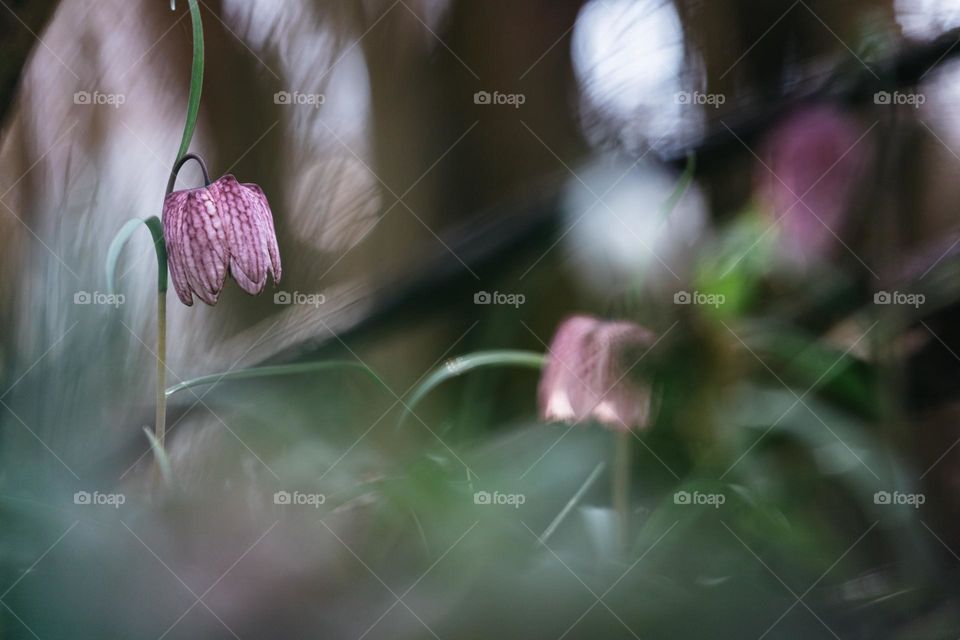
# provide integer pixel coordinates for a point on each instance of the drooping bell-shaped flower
(223, 227)
(590, 374)
(812, 164)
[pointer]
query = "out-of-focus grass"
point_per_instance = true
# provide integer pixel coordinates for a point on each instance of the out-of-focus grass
(296, 508)
(401, 519)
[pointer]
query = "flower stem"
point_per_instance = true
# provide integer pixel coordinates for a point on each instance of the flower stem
(161, 423)
(156, 227)
(179, 165)
(621, 486)
(196, 78)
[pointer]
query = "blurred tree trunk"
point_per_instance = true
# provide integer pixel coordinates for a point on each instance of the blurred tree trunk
(423, 83)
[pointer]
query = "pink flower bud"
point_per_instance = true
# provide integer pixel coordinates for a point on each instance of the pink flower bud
(225, 227)
(587, 376)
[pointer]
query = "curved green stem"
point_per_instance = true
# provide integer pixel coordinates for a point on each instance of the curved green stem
(272, 371)
(464, 364)
(179, 165)
(196, 78)
(155, 227)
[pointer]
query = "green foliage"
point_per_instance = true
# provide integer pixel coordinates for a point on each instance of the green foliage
(273, 372)
(155, 227)
(467, 363)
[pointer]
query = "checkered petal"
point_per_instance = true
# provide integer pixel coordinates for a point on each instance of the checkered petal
(251, 238)
(196, 244)
(225, 227)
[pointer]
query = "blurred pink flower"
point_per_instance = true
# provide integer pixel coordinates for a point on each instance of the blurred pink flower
(225, 227)
(587, 376)
(814, 161)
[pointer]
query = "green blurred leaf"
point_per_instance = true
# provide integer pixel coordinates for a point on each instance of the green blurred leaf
(163, 460)
(811, 365)
(274, 371)
(464, 364)
(155, 227)
(736, 264)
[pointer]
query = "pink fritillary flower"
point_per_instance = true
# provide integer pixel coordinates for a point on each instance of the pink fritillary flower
(588, 374)
(814, 160)
(224, 227)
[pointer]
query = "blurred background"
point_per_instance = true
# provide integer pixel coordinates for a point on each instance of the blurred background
(769, 187)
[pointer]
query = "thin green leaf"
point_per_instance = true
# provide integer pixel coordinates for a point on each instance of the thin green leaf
(163, 460)
(155, 227)
(274, 371)
(572, 502)
(465, 364)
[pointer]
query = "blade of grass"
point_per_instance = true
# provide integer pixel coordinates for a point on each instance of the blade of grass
(465, 364)
(274, 371)
(120, 240)
(572, 502)
(160, 455)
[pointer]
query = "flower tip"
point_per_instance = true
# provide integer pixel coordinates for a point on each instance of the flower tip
(557, 408)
